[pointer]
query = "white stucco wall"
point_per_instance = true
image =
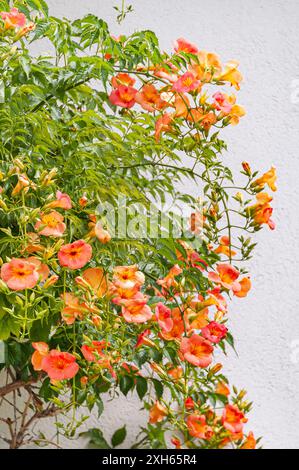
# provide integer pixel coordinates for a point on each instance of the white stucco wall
(263, 36)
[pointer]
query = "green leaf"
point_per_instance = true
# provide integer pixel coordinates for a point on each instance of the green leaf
(96, 439)
(141, 387)
(158, 388)
(125, 384)
(119, 436)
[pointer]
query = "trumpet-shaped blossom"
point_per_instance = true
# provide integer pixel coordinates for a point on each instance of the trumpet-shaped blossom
(102, 235)
(127, 277)
(75, 255)
(221, 103)
(91, 353)
(262, 211)
(224, 247)
(41, 351)
(143, 339)
(149, 98)
(163, 124)
(233, 419)
(250, 442)
(42, 269)
(97, 280)
(231, 74)
(62, 201)
(186, 83)
(169, 280)
(136, 310)
(19, 274)
(206, 67)
(50, 225)
(197, 426)
(222, 388)
(197, 350)
(122, 79)
(227, 277)
(182, 45)
(123, 96)
(157, 413)
(13, 19)
(245, 284)
(269, 178)
(177, 328)
(164, 318)
(72, 309)
(60, 365)
(214, 332)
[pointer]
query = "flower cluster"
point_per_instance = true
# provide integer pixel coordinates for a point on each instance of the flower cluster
(93, 313)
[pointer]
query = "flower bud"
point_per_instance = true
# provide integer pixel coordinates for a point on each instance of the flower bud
(216, 368)
(246, 168)
(51, 281)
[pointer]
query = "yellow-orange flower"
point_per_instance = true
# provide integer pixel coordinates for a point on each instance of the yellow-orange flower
(250, 442)
(231, 74)
(262, 210)
(50, 224)
(268, 178)
(41, 351)
(208, 65)
(157, 413)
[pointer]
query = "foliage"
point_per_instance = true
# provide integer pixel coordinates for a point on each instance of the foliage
(102, 120)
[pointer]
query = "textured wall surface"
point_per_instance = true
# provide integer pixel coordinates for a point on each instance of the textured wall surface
(263, 36)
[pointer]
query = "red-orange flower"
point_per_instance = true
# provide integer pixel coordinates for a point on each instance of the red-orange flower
(42, 269)
(122, 79)
(63, 201)
(149, 98)
(41, 351)
(222, 389)
(250, 442)
(177, 328)
(92, 353)
(127, 277)
(75, 255)
(182, 45)
(224, 247)
(157, 413)
(163, 124)
(136, 310)
(13, 19)
(197, 350)
(60, 365)
(169, 280)
(102, 235)
(97, 280)
(214, 332)
(123, 96)
(19, 274)
(186, 83)
(50, 225)
(143, 339)
(222, 103)
(164, 317)
(245, 284)
(189, 403)
(72, 309)
(197, 426)
(262, 211)
(233, 419)
(227, 277)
